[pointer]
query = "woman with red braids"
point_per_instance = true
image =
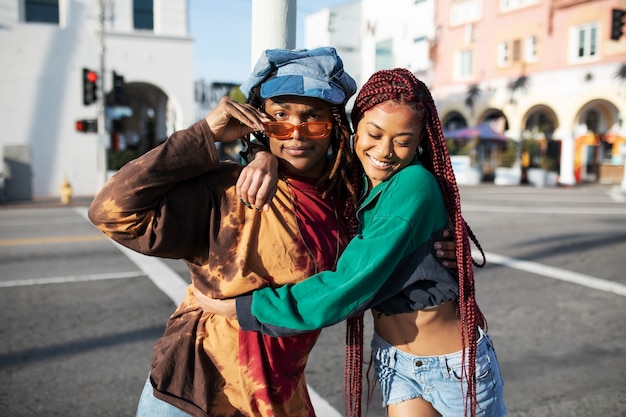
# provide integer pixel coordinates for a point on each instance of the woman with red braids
(432, 355)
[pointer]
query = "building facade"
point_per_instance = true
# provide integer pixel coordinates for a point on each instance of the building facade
(548, 68)
(141, 53)
(540, 71)
(338, 27)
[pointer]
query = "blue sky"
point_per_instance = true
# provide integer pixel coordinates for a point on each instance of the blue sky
(222, 36)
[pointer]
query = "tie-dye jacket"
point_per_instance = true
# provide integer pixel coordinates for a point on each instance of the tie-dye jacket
(179, 201)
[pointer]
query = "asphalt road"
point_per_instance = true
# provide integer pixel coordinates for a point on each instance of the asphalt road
(79, 316)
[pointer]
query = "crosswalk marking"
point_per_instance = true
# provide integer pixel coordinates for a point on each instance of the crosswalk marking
(556, 273)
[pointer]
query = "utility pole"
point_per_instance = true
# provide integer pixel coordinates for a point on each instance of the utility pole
(103, 140)
(273, 26)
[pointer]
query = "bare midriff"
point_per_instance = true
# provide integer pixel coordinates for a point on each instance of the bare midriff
(429, 332)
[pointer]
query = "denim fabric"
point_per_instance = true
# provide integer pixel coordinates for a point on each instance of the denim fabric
(151, 406)
(315, 73)
(437, 379)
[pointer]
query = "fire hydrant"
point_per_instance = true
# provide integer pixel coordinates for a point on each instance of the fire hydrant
(66, 192)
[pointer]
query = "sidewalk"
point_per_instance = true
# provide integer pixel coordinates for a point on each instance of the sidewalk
(81, 201)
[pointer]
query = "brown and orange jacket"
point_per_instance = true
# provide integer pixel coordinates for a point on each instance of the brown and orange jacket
(179, 201)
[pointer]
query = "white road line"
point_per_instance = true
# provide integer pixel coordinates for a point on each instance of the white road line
(164, 277)
(175, 287)
(594, 211)
(617, 194)
(62, 280)
(321, 406)
(556, 273)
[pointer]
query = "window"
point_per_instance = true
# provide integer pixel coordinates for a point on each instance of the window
(143, 14)
(584, 42)
(540, 121)
(508, 54)
(517, 50)
(384, 55)
(508, 5)
(592, 120)
(465, 11)
(503, 54)
(530, 49)
(42, 11)
(463, 64)
(606, 152)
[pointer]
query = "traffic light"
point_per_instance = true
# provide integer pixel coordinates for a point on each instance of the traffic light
(617, 23)
(87, 125)
(90, 88)
(119, 89)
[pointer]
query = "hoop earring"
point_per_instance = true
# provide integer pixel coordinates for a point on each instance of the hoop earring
(420, 150)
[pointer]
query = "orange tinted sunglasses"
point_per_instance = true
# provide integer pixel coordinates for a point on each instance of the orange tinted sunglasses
(308, 130)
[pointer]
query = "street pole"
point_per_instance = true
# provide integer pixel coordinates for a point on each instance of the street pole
(566, 174)
(103, 142)
(273, 26)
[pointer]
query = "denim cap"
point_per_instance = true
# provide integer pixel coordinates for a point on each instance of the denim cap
(301, 72)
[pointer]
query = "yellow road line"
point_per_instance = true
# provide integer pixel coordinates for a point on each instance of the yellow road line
(48, 240)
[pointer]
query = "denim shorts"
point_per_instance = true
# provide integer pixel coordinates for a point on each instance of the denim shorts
(151, 406)
(436, 379)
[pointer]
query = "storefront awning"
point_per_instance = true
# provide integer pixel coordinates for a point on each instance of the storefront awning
(483, 131)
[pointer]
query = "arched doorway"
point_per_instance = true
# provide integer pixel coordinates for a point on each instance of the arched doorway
(539, 147)
(598, 152)
(453, 121)
(137, 120)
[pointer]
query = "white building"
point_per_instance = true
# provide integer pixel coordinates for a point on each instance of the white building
(44, 47)
(371, 35)
(339, 27)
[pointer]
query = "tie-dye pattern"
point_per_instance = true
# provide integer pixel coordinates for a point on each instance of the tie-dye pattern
(178, 201)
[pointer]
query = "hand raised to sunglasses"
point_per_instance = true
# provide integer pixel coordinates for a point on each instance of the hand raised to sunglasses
(230, 120)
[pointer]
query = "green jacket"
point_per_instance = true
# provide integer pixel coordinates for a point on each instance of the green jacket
(390, 265)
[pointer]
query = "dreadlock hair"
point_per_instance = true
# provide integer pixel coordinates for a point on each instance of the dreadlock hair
(401, 86)
(341, 176)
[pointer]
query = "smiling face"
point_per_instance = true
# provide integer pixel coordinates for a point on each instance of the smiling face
(386, 139)
(298, 155)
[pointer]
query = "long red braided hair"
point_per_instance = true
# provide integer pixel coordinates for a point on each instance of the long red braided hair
(401, 86)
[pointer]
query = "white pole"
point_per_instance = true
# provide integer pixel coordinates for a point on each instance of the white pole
(273, 26)
(624, 176)
(566, 176)
(103, 140)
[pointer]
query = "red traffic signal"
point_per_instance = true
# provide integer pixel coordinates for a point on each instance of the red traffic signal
(87, 125)
(90, 88)
(92, 77)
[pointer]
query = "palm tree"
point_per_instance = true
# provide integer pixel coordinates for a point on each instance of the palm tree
(473, 92)
(520, 83)
(621, 72)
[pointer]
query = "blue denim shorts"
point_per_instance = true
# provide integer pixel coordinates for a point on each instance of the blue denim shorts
(151, 406)
(436, 379)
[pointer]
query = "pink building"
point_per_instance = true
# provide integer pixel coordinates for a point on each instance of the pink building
(546, 70)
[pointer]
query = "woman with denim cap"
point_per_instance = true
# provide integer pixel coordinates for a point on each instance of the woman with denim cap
(179, 201)
(430, 347)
